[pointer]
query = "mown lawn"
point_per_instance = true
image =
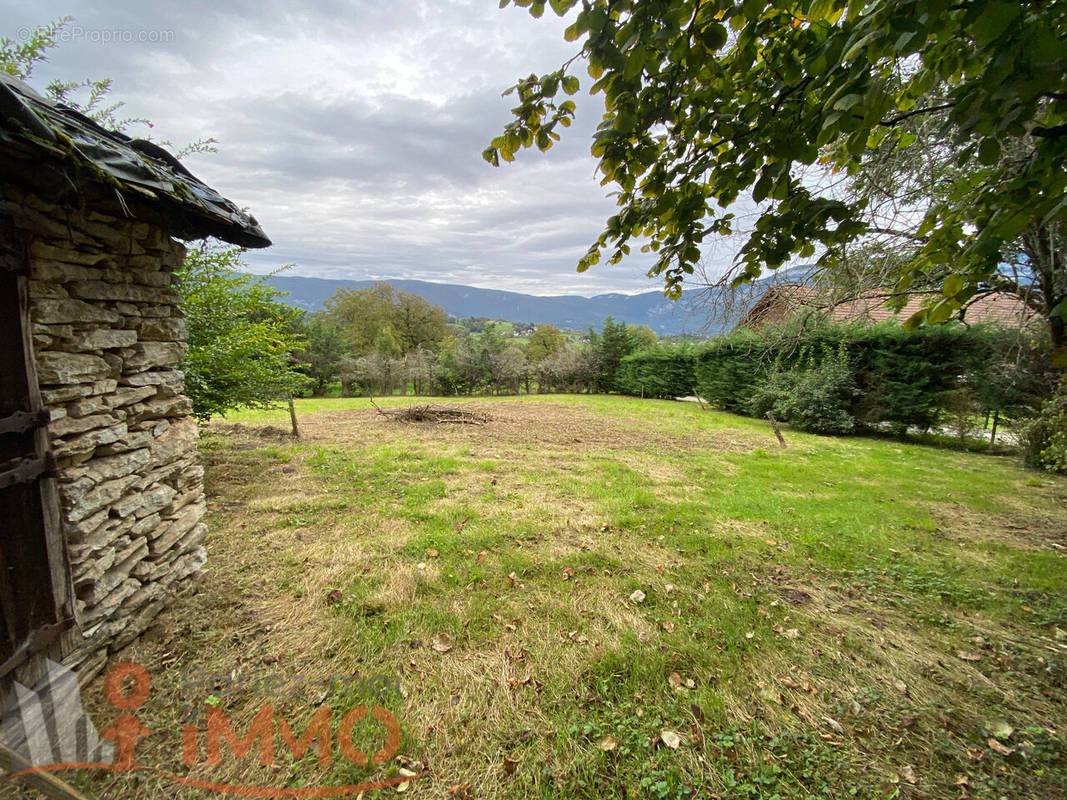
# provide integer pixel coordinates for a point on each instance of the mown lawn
(844, 617)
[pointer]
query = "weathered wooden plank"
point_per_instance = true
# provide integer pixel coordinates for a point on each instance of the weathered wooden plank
(35, 587)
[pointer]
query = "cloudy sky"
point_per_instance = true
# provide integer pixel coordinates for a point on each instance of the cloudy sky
(354, 130)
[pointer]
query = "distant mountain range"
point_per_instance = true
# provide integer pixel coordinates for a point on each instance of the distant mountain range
(695, 313)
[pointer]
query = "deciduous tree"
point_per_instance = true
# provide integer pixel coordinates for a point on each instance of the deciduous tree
(709, 101)
(241, 342)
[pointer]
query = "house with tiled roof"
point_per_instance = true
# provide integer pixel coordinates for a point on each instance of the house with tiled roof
(781, 303)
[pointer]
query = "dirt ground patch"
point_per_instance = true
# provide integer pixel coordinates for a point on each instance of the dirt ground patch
(534, 425)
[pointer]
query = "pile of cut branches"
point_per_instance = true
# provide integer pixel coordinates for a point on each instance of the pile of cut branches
(437, 415)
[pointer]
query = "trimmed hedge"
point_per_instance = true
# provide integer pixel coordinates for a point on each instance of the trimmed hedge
(836, 378)
(661, 371)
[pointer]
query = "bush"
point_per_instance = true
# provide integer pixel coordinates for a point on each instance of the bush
(818, 399)
(1044, 439)
(241, 341)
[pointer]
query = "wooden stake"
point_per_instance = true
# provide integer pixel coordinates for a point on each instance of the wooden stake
(777, 430)
(993, 435)
(696, 394)
(292, 418)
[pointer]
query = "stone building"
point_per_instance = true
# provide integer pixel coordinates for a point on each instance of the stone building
(101, 495)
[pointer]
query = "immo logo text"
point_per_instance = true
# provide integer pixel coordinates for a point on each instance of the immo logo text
(46, 729)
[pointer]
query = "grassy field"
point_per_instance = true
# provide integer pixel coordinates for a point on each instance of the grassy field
(607, 597)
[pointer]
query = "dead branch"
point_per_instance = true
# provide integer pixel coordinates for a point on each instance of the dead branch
(436, 415)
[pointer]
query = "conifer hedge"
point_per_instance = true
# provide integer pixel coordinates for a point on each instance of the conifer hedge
(837, 378)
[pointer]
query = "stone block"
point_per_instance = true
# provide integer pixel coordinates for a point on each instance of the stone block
(52, 311)
(164, 329)
(147, 355)
(55, 368)
(105, 494)
(103, 338)
(69, 424)
(127, 292)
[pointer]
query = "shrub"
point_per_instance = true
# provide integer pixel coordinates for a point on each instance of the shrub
(1044, 439)
(818, 398)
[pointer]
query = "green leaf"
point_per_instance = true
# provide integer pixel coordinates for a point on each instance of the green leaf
(988, 151)
(571, 84)
(952, 285)
(715, 36)
(994, 19)
(939, 313)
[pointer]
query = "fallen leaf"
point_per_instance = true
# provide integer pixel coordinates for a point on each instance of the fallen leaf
(461, 791)
(511, 578)
(509, 765)
(696, 736)
(668, 588)
(671, 739)
(767, 693)
(460, 525)
(675, 680)
(901, 687)
(432, 552)
(637, 597)
(568, 572)
(441, 643)
(998, 748)
(907, 772)
(407, 773)
(333, 598)
(976, 754)
(833, 725)
(481, 556)
(963, 655)
(668, 626)
(607, 744)
(659, 568)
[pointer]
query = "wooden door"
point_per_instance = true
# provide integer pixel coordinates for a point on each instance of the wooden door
(35, 596)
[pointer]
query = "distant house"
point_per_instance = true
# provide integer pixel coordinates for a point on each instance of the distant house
(101, 492)
(781, 303)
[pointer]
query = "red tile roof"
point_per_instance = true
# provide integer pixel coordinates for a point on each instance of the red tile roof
(780, 303)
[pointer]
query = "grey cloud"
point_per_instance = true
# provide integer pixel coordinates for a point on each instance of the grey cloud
(353, 131)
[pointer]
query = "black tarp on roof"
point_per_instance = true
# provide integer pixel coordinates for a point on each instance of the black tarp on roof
(57, 151)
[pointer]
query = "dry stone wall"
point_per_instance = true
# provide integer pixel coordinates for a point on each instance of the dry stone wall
(108, 337)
